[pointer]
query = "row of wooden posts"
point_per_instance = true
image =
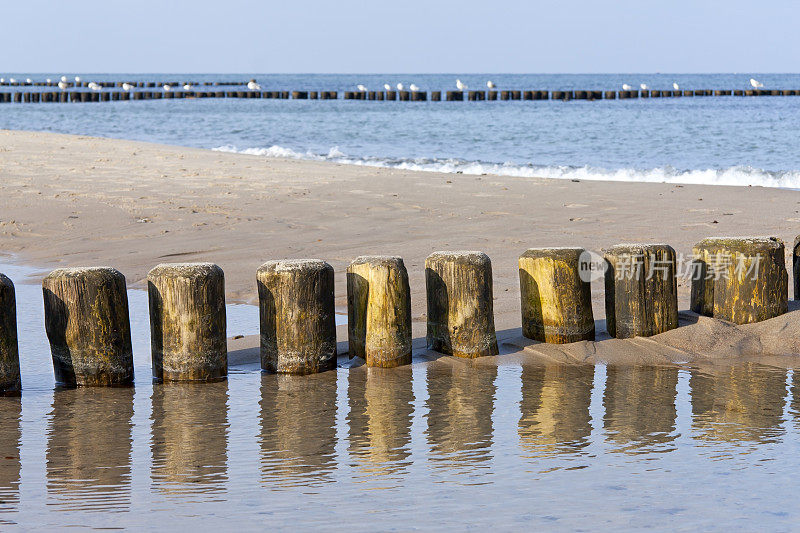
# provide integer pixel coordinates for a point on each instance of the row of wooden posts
(112, 84)
(407, 96)
(87, 321)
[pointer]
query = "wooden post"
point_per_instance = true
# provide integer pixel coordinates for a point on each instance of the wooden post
(556, 302)
(641, 290)
(379, 311)
(187, 322)
(741, 280)
(796, 267)
(87, 324)
(298, 326)
(10, 384)
(460, 306)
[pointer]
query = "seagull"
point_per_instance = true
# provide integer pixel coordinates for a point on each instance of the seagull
(167, 88)
(361, 88)
(63, 85)
(643, 86)
(12, 80)
(676, 86)
(400, 87)
(29, 80)
(187, 87)
(77, 79)
(413, 88)
(48, 80)
(253, 86)
(387, 86)
(2, 80)
(756, 84)
(64, 79)
(93, 86)
(127, 86)
(626, 87)
(460, 85)
(490, 84)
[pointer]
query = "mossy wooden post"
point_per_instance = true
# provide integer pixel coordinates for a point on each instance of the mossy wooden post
(641, 290)
(187, 322)
(556, 302)
(796, 267)
(740, 279)
(10, 384)
(298, 325)
(87, 324)
(460, 307)
(379, 311)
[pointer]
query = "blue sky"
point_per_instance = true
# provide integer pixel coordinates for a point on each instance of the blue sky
(342, 36)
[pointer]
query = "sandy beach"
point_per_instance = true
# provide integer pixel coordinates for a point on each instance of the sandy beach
(79, 201)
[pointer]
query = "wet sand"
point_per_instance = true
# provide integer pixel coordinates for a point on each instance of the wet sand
(77, 201)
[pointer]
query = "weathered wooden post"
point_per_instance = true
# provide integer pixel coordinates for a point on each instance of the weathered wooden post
(740, 279)
(379, 311)
(87, 324)
(556, 302)
(641, 290)
(187, 322)
(10, 384)
(796, 267)
(436, 96)
(460, 306)
(298, 325)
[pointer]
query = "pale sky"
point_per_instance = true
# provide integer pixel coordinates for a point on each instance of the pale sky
(348, 36)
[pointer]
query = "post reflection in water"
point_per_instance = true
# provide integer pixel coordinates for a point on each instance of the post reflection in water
(640, 410)
(10, 466)
(89, 449)
(189, 438)
(298, 429)
(460, 404)
(554, 408)
(741, 402)
(381, 409)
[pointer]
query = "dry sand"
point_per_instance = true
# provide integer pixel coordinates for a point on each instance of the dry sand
(79, 201)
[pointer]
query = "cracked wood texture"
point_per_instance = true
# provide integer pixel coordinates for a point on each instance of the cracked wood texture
(87, 324)
(379, 311)
(740, 279)
(10, 384)
(460, 304)
(298, 325)
(556, 302)
(641, 290)
(187, 322)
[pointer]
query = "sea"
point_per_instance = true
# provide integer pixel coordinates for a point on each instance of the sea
(721, 140)
(439, 444)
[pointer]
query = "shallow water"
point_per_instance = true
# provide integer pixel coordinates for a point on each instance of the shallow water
(717, 140)
(423, 446)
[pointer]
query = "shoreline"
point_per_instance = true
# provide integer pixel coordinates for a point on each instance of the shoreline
(77, 201)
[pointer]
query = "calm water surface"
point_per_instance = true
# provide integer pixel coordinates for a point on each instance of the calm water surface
(507, 446)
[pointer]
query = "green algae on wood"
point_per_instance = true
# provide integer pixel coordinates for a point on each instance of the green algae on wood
(187, 322)
(556, 302)
(379, 311)
(10, 384)
(298, 323)
(460, 306)
(740, 279)
(87, 324)
(641, 290)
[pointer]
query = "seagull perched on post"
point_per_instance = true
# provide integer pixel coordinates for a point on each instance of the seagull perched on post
(361, 88)
(461, 86)
(77, 79)
(676, 86)
(28, 81)
(756, 84)
(187, 87)
(64, 79)
(400, 87)
(93, 86)
(643, 86)
(63, 85)
(167, 88)
(253, 86)
(127, 86)
(490, 84)
(387, 87)
(626, 87)
(413, 88)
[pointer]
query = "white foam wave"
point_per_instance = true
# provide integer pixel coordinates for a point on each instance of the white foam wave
(736, 176)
